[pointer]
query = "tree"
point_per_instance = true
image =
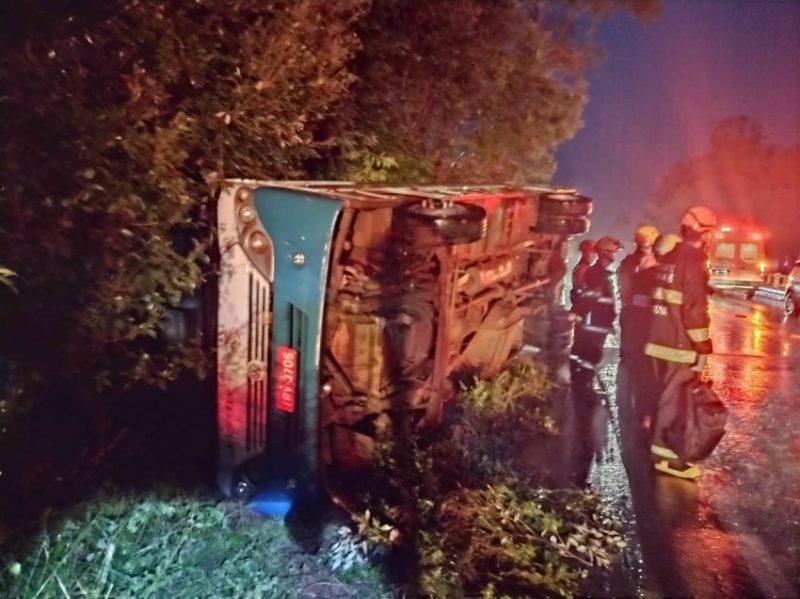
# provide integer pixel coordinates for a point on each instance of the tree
(744, 177)
(118, 122)
(472, 91)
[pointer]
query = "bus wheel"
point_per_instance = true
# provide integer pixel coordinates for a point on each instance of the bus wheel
(441, 221)
(562, 225)
(564, 204)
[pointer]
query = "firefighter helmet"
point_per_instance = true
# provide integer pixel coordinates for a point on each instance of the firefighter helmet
(666, 243)
(587, 245)
(608, 246)
(699, 219)
(646, 236)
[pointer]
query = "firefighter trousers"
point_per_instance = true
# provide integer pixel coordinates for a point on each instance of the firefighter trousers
(634, 323)
(632, 405)
(587, 348)
(668, 380)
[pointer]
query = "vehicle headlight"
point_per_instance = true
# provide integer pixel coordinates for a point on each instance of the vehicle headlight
(258, 242)
(245, 194)
(247, 214)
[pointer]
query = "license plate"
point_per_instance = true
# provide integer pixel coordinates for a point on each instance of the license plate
(286, 379)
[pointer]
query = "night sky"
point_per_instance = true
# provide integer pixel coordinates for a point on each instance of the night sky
(663, 87)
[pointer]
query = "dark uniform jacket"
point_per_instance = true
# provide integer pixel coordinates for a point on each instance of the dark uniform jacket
(578, 282)
(679, 328)
(635, 289)
(630, 287)
(596, 303)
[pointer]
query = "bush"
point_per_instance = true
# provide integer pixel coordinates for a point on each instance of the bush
(464, 514)
(120, 125)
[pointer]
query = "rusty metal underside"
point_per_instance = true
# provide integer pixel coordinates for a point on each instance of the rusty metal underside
(404, 322)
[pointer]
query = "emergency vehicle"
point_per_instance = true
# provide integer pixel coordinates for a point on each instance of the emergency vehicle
(737, 257)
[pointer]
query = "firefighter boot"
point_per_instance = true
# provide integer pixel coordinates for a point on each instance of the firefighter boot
(667, 461)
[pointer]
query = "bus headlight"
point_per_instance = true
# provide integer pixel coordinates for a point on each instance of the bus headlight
(247, 214)
(245, 194)
(258, 242)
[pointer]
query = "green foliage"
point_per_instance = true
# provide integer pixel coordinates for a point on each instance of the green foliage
(463, 510)
(518, 388)
(167, 546)
(368, 167)
(475, 91)
(512, 542)
(120, 125)
(500, 415)
(353, 548)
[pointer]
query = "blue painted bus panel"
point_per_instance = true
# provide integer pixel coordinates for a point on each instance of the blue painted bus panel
(301, 228)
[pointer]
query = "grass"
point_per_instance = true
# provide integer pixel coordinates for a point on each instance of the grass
(173, 546)
(459, 490)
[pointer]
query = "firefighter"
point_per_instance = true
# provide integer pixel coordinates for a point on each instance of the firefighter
(633, 277)
(588, 258)
(595, 311)
(645, 395)
(678, 342)
(634, 293)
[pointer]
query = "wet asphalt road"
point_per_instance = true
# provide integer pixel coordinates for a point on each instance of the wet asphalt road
(736, 532)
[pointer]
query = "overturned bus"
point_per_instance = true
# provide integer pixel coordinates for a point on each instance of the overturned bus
(341, 304)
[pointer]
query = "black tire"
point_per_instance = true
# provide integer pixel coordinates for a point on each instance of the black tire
(562, 225)
(433, 222)
(564, 204)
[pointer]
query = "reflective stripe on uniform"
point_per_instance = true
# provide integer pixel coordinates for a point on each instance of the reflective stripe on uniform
(663, 452)
(671, 296)
(605, 300)
(699, 335)
(590, 328)
(581, 362)
(670, 354)
(641, 301)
